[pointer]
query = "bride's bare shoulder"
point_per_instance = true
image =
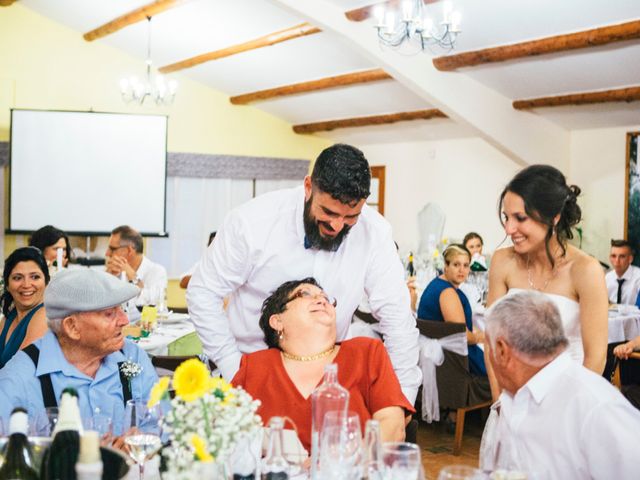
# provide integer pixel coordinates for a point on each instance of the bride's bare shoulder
(503, 256)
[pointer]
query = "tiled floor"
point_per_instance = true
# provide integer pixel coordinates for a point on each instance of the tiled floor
(437, 445)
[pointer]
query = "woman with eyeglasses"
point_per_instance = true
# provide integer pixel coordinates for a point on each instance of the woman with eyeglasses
(299, 325)
(24, 319)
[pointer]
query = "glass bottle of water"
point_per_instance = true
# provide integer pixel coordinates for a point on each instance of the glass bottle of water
(372, 450)
(327, 397)
(275, 466)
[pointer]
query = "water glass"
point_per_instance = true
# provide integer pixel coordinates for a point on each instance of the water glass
(401, 461)
(100, 423)
(460, 472)
(341, 446)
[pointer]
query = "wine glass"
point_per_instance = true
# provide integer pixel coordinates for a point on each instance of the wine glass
(142, 431)
(401, 461)
(341, 446)
(44, 422)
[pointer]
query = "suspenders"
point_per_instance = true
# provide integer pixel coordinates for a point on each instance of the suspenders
(48, 395)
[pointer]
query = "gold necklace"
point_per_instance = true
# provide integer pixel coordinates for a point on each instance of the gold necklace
(310, 358)
(530, 279)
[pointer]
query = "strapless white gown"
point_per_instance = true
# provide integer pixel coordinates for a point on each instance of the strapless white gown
(570, 315)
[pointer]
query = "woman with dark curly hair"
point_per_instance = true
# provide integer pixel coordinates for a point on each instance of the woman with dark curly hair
(299, 325)
(24, 319)
(538, 211)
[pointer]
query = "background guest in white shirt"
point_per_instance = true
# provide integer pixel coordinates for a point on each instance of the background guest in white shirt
(124, 254)
(557, 419)
(322, 229)
(623, 281)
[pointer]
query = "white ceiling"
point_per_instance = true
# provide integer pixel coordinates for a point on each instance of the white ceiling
(199, 26)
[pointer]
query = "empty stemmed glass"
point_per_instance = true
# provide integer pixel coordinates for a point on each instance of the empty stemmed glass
(142, 431)
(402, 461)
(341, 447)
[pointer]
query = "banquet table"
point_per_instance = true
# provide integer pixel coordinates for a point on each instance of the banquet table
(176, 326)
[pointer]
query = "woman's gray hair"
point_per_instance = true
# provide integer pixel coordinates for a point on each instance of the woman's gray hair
(529, 322)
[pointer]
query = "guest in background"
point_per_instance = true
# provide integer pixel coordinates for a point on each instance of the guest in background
(538, 210)
(186, 276)
(623, 281)
(629, 370)
(299, 325)
(49, 239)
(124, 254)
(473, 242)
(24, 319)
(443, 300)
(556, 419)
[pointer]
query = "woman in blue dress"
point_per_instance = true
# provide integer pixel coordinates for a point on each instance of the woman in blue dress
(24, 319)
(444, 301)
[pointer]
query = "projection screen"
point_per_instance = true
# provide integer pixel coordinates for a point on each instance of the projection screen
(87, 172)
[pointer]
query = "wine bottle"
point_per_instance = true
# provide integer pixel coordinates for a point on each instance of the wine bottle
(18, 457)
(89, 466)
(59, 461)
(328, 396)
(275, 466)
(410, 268)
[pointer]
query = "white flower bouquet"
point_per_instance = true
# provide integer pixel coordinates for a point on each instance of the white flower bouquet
(208, 417)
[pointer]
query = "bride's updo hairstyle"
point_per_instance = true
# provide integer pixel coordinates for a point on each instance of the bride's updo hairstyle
(545, 194)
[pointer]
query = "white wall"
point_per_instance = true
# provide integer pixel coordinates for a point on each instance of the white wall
(464, 176)
(597, 166)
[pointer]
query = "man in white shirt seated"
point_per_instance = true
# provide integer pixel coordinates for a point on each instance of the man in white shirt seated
(556, 418)
(321, 229)
(623, 282)
(124, 255)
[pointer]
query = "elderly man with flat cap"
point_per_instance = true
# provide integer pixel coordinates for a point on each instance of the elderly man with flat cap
(85, 349)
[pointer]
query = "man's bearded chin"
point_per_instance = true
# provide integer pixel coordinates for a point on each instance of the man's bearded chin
(315, 238)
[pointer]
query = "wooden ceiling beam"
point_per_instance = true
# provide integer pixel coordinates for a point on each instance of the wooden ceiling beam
(355, 78)
(558, 43)
(364, 13)
(628, 94)
(265, 41)
(329, 125)
(130, 18)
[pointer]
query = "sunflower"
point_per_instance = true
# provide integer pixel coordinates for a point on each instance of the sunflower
(221, 389)
(191, 380)
(200, 449)
(158, 392)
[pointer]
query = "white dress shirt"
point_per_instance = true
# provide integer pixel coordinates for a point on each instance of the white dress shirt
(154, 278)
(568, 422)
(630, 287)
(261, 245)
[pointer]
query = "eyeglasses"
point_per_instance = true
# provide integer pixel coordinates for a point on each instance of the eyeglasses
(310, 296)
(113, 249)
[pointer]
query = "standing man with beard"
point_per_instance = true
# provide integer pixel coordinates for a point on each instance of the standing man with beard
(322, 229)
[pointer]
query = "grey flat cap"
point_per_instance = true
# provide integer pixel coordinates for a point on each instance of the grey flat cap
(85, 290)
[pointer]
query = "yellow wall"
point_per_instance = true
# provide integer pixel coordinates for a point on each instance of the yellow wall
(45, 65)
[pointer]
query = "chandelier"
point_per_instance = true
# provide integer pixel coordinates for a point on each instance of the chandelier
(412, 25)
(153, 85)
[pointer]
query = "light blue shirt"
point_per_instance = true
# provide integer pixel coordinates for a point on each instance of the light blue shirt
(20, 387)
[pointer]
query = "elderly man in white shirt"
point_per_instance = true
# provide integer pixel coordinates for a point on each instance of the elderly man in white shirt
(322, 229)
(556, 418)
(125, 258)
(623, 281)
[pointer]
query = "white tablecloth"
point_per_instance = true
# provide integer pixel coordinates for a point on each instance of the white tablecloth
(158, 342)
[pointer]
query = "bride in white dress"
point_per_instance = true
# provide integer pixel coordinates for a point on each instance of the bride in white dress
(538, 210)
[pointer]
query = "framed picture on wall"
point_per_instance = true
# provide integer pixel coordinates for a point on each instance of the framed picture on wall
(632, 194)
